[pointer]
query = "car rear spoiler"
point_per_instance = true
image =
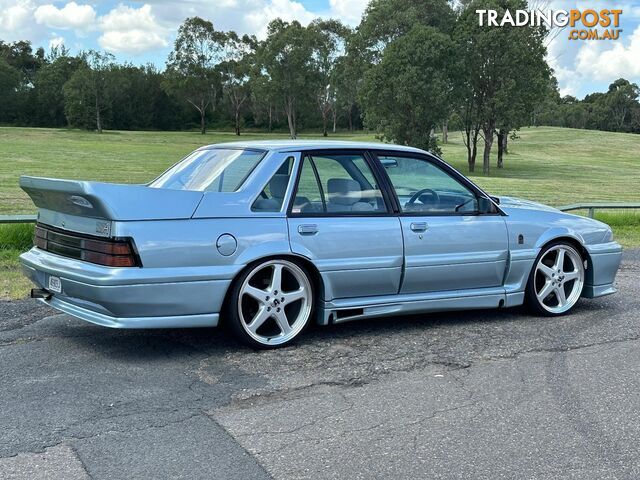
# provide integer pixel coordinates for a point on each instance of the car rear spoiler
(110, 201)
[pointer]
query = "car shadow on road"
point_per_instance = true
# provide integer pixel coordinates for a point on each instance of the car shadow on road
(185, 344)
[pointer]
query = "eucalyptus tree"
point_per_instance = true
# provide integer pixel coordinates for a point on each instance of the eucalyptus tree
(86, 93)
(621, 100)
(384, 21)
(504, 69)
(49, 84)
(235, 73)
(410, 90)
(191, 68)
(10, 78)
(286, 59)
(328, 42)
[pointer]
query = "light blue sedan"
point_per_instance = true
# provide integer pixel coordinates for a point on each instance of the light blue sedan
(269, 236)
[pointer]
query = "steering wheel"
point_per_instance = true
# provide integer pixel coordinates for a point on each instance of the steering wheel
(420, 193)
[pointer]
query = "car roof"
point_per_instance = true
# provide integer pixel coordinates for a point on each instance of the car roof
(297, 145)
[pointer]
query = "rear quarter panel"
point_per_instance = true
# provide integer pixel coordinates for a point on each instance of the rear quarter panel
(189, 244)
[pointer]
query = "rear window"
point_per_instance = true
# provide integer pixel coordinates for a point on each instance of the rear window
(214, 170)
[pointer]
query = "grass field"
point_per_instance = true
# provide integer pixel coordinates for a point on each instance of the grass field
(552, 165)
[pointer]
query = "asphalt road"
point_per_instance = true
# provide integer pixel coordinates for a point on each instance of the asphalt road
(485, 394)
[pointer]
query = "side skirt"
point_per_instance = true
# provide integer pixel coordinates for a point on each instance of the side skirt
(346, 310)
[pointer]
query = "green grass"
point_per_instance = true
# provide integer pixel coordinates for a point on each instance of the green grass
(625, 226)
(13, 284)
(551, 165)
(14, 239)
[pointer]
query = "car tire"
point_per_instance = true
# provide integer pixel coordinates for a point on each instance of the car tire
(556, 280)
(271, 303)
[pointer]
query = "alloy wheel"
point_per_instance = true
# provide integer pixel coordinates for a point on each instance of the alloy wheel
(559, 278)
(274, 302)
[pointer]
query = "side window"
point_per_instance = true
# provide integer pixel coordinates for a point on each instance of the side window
(423, 187)
(271, 198)
(345, 186)
(308, 197)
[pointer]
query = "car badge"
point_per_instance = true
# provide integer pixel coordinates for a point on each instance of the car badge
(103, 228)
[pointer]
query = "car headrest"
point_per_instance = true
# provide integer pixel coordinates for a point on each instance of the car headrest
(278, 185)
(343, 191)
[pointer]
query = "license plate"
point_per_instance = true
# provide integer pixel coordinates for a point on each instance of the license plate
(54, 285)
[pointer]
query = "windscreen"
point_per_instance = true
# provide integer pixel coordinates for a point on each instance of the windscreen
(213, 170)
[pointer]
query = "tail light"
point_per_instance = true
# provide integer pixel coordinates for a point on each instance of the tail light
(110, 252)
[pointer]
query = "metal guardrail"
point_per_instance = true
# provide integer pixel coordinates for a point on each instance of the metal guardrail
(18, 218)
(591, 207)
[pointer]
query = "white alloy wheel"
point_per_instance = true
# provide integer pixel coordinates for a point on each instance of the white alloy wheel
(274, 302)
(558, 279)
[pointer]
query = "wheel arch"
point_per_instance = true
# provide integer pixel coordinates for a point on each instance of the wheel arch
(310, 268)
(579, 246)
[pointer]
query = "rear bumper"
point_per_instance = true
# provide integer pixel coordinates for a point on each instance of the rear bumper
(130, 297)
(604, 261)
(184, 321)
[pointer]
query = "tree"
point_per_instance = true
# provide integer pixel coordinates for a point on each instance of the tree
(621, 99)
(409, 92)
(264, 98)
(384, 21)
(235, 73)
(86, 93)
(9, 85)
(506, 70)
(328, 39)
(191, 68)
(348, 74)
(49, 84)
(286, 59)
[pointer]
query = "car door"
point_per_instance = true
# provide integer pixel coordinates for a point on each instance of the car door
(340, 219)
(449, 244)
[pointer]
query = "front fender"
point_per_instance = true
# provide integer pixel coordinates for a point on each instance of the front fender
(558, 232)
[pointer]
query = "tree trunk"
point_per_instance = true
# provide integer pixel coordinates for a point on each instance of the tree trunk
(474, 150)
(292, 131)
(486, 155)
(203, 129)
(270, 117)
(445, 131)
(98, 119)
(350, 115)
(335, 119)
(467, 143)
(237, 121)
(500, 137)
(324, 124)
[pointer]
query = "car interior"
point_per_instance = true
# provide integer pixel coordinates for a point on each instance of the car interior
(348, 186)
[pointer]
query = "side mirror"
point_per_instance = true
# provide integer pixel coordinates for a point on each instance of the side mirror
(496, 200)
(485, 205)
(389, 162)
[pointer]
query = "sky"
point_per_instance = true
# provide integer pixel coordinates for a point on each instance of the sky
(143, 31)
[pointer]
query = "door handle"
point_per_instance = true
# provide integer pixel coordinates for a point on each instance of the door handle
(308, 229)
(418, 226)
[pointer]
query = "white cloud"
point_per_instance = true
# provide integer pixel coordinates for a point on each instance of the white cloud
(131, 30)
(71, 16)
(288, 10)
(561, 60)
(253, 16)
(14, 17)
(584, 66)
(608, 64)
(56, 41)
(349, 11)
